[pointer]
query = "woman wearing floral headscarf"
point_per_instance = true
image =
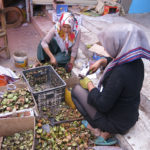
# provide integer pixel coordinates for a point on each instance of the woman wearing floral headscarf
(60, 45)
(113, 107)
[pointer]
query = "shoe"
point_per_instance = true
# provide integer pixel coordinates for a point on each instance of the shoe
(85, 123)
(101, 141)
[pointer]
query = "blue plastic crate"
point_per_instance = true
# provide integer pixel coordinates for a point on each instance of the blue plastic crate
(60, 8)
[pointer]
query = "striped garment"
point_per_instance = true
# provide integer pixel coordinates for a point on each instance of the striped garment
(130, 56)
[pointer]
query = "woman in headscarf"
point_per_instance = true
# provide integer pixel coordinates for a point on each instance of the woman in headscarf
(113, 107)
(60, 45)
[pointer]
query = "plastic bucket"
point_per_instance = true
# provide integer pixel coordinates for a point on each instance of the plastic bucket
(20, 59)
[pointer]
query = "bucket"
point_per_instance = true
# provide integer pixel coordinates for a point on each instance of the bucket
(20, 59)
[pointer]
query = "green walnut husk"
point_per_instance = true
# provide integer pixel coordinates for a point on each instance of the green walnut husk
(19, 141)
(66, 135)
(62, 72)
(63, 136)
(88, 46)
(16, 100)
(60, 112)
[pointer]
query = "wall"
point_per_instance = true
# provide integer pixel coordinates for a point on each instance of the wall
(140, 6)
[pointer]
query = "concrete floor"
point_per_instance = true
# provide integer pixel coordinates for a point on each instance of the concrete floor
(23, 38)
(143, 19)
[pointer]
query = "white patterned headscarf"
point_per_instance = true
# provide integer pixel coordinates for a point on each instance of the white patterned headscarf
(66, 40)
(124, 43)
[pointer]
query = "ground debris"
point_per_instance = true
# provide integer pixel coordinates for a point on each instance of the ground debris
(19, 141)
(64, 136)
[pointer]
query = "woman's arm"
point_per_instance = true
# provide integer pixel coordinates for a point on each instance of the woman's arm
(51, 56)
(45, 42)
(101, 62)
(72, 59)
(74, 49)
(104, 101)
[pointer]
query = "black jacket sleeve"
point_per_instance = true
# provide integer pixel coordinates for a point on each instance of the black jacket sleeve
(105, 100)
(109, 59)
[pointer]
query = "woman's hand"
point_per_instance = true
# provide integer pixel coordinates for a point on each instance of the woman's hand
(84, 82)
(51, 56)
(90, 86)
(95, 66)
(98, 64)
(69, 67)
(53, 61)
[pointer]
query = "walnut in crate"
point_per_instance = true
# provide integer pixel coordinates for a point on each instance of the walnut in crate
(62, 72)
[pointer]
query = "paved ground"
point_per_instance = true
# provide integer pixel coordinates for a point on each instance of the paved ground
(23, 38)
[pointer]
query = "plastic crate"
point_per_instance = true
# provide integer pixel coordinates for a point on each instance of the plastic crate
(50, 90)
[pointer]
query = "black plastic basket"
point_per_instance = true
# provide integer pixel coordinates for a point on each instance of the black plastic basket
(46, 85)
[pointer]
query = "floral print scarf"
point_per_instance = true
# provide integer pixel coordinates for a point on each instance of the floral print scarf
(64, 40)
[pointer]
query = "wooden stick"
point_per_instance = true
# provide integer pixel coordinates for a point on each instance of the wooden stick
(66, 121)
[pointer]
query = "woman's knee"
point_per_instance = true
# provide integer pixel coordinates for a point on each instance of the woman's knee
(75, 90)
(39, 52)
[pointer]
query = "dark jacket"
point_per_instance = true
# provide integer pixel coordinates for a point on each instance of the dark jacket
(120, 98)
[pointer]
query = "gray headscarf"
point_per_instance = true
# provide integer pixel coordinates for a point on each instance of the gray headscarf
(124, 43)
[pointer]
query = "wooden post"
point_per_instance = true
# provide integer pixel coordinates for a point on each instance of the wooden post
(28, 10)
(3, 32)
(31, 8)
(3, 21)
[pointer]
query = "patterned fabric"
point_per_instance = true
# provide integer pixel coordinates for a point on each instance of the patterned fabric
(64, 40)
(130, 56)
(124, 43)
